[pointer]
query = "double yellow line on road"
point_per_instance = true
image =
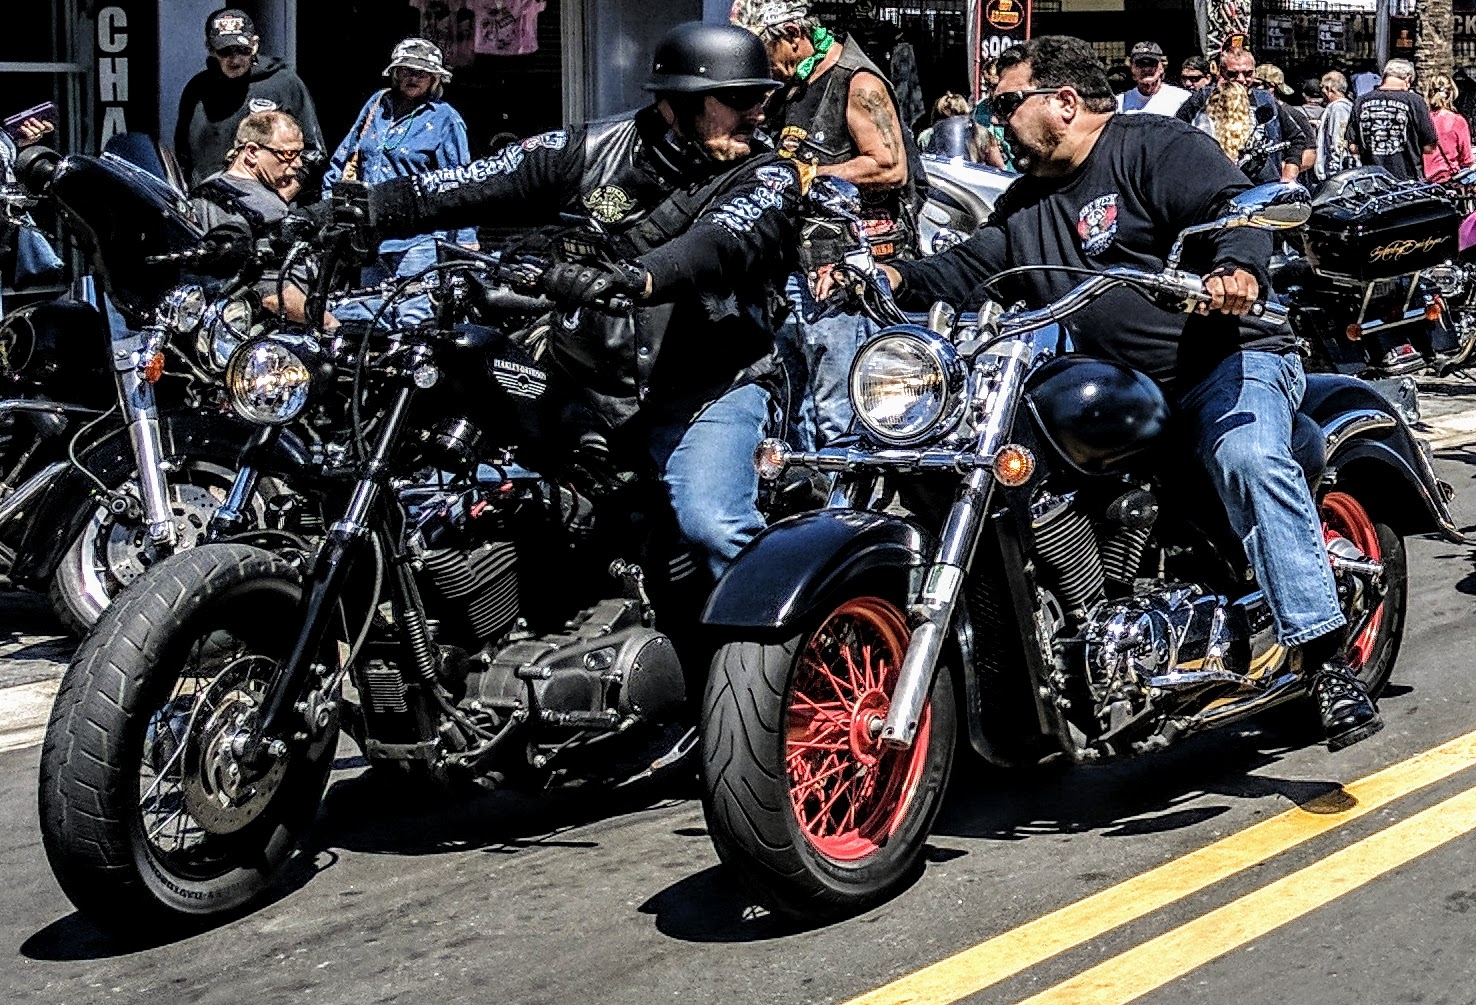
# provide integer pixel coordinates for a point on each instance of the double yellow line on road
(1154, 963)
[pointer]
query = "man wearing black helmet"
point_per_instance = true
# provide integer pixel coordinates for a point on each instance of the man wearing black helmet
(703, 232)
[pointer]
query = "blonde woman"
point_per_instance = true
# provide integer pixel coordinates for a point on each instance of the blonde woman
(1452, 151)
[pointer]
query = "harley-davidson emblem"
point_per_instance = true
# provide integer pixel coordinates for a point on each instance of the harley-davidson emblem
(1398, 249)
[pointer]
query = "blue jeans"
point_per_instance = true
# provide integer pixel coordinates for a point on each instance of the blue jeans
(1241, 419)
(817, 357)
(707, 467)
(406, 312)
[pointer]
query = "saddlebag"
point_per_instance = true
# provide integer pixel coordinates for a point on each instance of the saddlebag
(1379, 232)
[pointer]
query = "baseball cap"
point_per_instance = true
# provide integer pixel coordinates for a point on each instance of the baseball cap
(418, 54)
(228, 28)
(759, 15)
(1147, 50)
(1271, 74)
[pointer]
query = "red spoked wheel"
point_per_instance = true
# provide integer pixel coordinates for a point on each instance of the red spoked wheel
(1372, 650)
(849, 792)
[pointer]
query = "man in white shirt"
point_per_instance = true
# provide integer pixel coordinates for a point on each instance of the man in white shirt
(1151, 94)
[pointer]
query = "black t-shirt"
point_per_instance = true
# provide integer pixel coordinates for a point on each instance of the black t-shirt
(1147, 178)
(1390, 129)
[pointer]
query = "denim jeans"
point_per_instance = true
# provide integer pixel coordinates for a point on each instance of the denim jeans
(707, 467)
(1241, 419)
(817, 357)
(406, 312)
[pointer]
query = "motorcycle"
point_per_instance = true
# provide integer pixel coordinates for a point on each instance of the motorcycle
(1059, 586)
(118, 453)
(1379, 289)
(496, 619)
(961, 195)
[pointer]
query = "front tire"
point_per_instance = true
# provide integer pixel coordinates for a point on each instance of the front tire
(143, 819)
(817, 818)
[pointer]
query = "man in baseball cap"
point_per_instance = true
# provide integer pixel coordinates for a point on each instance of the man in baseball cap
(237, 80)
(1151, 93)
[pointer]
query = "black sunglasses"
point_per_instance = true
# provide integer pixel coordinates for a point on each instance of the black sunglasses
(1238, 74)
(1146, 62)
(233, 50)
(1191, 78)
(741, 99)
(1006, 103)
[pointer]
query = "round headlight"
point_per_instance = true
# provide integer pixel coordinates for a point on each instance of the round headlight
(907, 386)
(227, 325)
(267, 382)
(182, 309)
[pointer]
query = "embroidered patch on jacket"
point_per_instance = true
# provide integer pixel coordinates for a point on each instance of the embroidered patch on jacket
(556, 140)
(262, 105)
(775, 177)
(609, 203)
(1096, 224)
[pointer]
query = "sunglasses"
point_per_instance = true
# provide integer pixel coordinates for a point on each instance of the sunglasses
(285, 156)
(1238, 74)
(742, 99)
(233, 50)
(1006, 103)
(1191, 78)
(1146, 63)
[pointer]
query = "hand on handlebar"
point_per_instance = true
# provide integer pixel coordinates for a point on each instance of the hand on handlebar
(596, 284)
(1231, 291)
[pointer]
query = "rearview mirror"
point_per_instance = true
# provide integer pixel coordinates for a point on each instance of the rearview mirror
(1277, 205)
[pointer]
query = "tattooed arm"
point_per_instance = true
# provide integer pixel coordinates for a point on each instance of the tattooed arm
(872, 119)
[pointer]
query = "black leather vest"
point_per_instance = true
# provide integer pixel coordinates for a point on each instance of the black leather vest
(810, 125)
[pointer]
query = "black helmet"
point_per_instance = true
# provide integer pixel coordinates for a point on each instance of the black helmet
(696, 57)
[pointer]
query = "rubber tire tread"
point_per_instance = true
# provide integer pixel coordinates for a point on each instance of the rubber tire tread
(86, 795)
(745, 791)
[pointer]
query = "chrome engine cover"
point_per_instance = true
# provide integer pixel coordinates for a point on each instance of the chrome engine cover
(1131, 644)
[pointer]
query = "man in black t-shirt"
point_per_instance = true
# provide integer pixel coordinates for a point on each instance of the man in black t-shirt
(1390, 126)
(1097, 196)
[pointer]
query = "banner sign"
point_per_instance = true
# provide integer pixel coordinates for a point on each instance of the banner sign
(994, 26)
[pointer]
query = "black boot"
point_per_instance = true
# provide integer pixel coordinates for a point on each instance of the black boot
(1347, 711)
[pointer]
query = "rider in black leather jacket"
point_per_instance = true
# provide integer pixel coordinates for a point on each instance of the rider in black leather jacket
(704, 232)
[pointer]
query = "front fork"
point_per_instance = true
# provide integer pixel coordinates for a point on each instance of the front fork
(932, 614)
(141, 417)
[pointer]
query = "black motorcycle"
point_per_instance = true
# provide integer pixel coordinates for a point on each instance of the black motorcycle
(1375, 282)
(115, 449)
(1059, 586)
(482, 612)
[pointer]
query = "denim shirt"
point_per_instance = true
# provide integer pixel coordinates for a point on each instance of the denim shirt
(430, 137)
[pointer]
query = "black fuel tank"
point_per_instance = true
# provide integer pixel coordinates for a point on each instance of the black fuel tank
(1094, 412)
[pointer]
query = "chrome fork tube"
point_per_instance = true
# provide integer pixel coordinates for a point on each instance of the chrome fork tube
(141, 412)
(932, 615)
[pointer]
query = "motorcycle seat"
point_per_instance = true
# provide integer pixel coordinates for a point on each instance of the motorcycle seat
(1334, 187)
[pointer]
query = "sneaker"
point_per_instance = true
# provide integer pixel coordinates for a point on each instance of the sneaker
(1348, 713)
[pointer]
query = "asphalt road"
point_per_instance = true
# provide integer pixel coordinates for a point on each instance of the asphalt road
(523, 901)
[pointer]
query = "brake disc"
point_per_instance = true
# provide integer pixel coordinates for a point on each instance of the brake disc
(220, 792)
(128, 550)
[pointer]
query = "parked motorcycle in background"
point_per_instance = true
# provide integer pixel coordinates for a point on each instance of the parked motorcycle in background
(117, 453)
(1060, 583)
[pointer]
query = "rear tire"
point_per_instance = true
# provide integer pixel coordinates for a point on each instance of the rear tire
(136, 817)
(1374, 648)
(815, 818)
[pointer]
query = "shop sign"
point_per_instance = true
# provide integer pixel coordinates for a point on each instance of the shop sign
(1278, 33)
(994, 26)
(1465, 25)
(1402, 34)
(1331, 36)
(1004, 15)
(125, 69)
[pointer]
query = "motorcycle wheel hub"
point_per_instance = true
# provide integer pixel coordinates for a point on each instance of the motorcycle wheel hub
(220, 792)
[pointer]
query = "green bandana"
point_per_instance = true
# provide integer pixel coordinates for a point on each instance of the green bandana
(822, 40)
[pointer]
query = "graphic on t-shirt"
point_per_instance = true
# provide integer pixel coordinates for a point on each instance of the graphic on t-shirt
(508, 27)
(1097, 224)
(1383, 124)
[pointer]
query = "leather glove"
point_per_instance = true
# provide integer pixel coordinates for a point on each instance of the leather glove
(593, 283)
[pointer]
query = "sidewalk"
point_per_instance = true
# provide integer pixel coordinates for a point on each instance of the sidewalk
(32, 660)
(1447, 411)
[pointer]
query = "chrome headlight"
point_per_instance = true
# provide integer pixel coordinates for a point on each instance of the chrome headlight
(907, 386)
(267, 382)
(182, 308)
(227, 324)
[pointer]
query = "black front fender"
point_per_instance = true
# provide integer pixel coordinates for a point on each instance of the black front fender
(1368, 441)
(798, 563)
(68, 503)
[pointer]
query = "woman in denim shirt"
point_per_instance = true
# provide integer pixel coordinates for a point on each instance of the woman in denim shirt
(405, 129)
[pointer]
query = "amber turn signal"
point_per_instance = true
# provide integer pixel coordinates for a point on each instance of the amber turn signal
(154, 368)
(1435, 310)
(1013, 465)
(1354, 332)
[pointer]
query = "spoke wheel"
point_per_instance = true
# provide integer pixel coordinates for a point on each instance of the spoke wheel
(1376, 633)
(849, 792)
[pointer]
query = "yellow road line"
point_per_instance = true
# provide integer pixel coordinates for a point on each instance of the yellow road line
(1012, 952)
(1183, 950)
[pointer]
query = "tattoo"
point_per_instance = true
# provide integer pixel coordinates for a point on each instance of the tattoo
(877, 105)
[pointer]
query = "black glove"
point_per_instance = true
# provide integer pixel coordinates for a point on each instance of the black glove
(593, 283)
